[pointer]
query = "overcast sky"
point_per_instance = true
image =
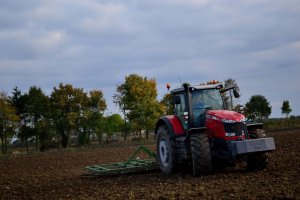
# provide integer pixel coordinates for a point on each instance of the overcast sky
(94, 44)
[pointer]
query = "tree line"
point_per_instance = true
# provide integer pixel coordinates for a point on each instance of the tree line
(68, 111)
(50, 121)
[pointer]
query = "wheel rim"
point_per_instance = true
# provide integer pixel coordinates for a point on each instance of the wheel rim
(164, 152)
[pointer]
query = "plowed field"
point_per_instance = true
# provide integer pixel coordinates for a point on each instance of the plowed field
(59, 176)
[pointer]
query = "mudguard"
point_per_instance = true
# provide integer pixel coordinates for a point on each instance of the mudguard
(173, 124)
(254, 126)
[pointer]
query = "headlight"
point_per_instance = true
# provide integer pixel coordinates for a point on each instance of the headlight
(243, 120)
(229, 134)
(228, 121)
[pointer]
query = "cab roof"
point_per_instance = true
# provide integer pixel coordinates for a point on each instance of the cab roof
(199, 87)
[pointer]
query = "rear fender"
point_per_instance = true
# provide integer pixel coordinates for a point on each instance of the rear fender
(173, 124)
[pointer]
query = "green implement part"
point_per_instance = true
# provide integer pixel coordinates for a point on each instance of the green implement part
(133, 164)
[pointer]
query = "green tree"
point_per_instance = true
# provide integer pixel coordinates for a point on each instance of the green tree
(154, 111)
(79, 116)
(258, 107)
(286, 109)
(46, 133)
(229, 102)
(119, 99)
(138, 99)
(92, 117)
(168, 104)
(18, 101)
(76, 113)
(113, 124)
(65, 109)
(8, 120)
(36, 110)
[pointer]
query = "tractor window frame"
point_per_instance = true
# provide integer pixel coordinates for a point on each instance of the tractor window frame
(181, 107)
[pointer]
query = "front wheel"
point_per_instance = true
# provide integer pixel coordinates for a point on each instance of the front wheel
(166, 151)
(257, 161)
(201, 156)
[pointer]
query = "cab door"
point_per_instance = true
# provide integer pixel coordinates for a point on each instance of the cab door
(181, 109)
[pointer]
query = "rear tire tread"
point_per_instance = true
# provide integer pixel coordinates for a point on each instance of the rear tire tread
(201, 156)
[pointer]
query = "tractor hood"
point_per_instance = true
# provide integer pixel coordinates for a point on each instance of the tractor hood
(225, 115)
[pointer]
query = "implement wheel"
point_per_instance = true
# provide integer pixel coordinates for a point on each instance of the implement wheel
(166, 151)
(201, 156)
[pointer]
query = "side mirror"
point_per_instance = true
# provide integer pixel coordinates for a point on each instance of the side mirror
(236, 93)
(222, 90)
(177, 100)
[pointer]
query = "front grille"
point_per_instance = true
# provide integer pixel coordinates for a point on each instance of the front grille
(238, 128)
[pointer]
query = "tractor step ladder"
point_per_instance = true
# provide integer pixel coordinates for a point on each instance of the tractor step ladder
(133, 164)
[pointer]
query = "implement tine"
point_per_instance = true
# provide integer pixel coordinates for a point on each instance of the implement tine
(131, 165)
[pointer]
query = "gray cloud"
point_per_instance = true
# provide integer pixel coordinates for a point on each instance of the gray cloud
(95, 44)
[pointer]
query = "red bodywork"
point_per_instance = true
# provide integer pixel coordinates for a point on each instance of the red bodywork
(214, 124)
(176, 124)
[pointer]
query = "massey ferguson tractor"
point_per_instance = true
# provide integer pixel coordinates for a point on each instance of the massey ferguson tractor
(201, 135)
(205, 136)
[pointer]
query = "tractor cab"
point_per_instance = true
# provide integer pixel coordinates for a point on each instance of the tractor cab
(193, 102)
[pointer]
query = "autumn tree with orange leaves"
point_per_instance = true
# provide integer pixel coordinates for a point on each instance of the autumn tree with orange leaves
(137, 98)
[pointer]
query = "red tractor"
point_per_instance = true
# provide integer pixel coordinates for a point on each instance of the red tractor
(204, 135)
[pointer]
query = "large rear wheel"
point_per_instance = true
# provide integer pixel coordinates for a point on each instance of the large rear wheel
(201, 156)
(166, 151)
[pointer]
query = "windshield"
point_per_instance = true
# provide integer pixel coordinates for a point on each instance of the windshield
(202, 100)
(207, 99)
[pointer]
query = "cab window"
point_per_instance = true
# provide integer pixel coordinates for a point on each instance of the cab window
(180, 106)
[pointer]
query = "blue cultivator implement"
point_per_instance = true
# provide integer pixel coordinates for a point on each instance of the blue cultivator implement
(134, 164)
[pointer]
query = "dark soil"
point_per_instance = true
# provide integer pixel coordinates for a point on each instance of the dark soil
(61, 175)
